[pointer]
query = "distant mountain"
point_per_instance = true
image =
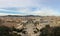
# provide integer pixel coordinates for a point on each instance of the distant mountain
(32, 16)
(22, 16)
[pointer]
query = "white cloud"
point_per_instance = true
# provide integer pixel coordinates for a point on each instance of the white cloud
(42, 12)
(45, 12)
(3, 14)
(25, 4)
(26, 11)
(18, 3)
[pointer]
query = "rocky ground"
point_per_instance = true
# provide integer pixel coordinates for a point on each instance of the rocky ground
(31, 25)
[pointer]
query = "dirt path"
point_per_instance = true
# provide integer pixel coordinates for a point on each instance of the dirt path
(30, 29)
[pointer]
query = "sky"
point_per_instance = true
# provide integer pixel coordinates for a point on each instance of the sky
(30, 7)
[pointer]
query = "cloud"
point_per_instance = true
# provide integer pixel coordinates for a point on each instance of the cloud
(18, 3)
(45, 12)
(30, 11)
(42, 12)
(10, 11)
(3, 14)
(28, 7)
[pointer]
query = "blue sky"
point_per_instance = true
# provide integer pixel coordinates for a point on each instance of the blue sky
(30, 7)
